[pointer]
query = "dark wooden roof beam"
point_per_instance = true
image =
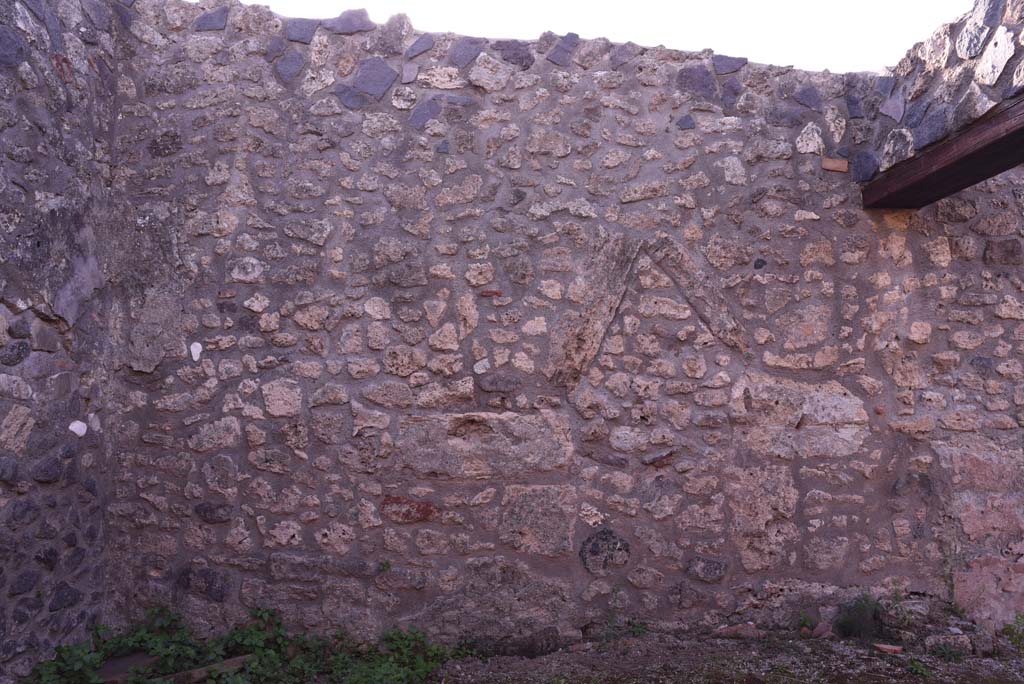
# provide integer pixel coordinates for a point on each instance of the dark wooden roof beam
(990, 145)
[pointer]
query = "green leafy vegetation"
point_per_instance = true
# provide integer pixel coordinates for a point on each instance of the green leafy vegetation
(956, 610)
(916, 667)
(1014, 632)
(275, 656)
(947, 652)
(860, 619)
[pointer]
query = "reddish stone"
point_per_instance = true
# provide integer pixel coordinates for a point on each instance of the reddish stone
(822, 630)
(744, 630)
(888, 648)
(404, 511)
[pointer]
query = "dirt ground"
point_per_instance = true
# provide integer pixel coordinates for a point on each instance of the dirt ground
(663, 659)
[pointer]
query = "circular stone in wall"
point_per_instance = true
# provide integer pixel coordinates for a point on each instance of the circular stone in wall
(604, 551)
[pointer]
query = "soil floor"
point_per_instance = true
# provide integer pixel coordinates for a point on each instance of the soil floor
(664, 659)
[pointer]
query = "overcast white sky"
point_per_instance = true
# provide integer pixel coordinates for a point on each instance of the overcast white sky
(838, 35)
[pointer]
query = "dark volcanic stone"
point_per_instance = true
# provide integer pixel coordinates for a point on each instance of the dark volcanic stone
(8, 469)
(894, 107)
(44, 13)
(74, 559)
(731, 91)
(47, 557)
(785, 116)
(64, 596)
(165, 144)
(410, 273)
(686, 122)
(854, 107)
(205, 582)
(603, 551)
(214, 20)
(374, 77)
(934, 127)
(213, 513)
(759, 264)
(24, 582)
(14, 353)
(301, 30)
(99, 13)
(727, 65)
(515, 52)
(13, 50)
(423, 112)
(350, 21)
(885, 84)
(290, 65)
(21, 513)
(500, 382)
(457, 100)
(561, 54)
(419, 46)
(609, 458)
(465, 51)
(1004, 252)
(47, 470)
(21, 329)
(863, 166)
(275, 48)
(707, 569)
(1013, 90)
(620, 54)
(350, 97)
(697, 79)
(124, 15)
(915, 113)
(682, 595)
(809, 97)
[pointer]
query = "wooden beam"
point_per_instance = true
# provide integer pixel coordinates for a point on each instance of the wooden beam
(990, 145)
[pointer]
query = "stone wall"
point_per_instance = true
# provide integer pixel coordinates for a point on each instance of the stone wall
(58, 83)
(963, 70)
(511, 339)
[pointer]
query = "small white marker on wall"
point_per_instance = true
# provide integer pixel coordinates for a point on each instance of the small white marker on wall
(78, 427)
(197, 350)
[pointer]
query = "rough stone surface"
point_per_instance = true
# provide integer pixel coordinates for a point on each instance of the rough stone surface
(561, 53)
(13, 50)
(993, 60)
(374, 77)
(697, 80)
(301, 30)
(603, 552)
(728, 65)
(422, 44)
(489, 73)
(214, 20)
(349, 22)
(483, 445)
(947, 82)
(290, 65)
(465, 50)
(548, 338)
(515, 52)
